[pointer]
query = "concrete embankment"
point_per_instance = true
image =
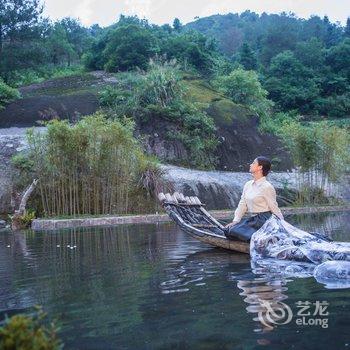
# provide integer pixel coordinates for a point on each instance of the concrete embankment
(54, 224)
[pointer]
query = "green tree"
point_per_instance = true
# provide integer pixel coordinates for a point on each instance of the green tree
(129, 47)
(347, 28)
(290, 84)
(247, 57)
(282, 34)
(192, 49)
(77, 35)
(18, 19)
(311, 53)
(332, 33)
(59, 47)
(338, 58)
(7, 94)
(244, 87)
(177, 25)
(19, 22)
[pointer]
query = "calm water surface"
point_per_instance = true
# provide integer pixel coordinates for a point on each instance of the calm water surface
(154, 287)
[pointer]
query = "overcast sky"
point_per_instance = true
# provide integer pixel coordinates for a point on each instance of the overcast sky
(105, 12)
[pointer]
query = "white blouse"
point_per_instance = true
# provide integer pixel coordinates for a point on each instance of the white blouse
(257, 196)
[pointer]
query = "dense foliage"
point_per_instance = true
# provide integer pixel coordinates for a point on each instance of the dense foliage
(243, 87)
(7, 94)
(29, 332)
(131, 42)
(320, 151)
(92, 167)
(302, 64)
(282, 68)
(157, 95)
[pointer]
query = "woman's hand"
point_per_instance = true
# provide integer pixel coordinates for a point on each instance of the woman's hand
(231, 224)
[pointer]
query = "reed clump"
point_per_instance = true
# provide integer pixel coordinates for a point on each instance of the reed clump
(95, 166)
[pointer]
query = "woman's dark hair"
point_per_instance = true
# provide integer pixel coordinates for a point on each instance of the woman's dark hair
(266, 164)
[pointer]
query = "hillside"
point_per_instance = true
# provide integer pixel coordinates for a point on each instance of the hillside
(71, 97)
(278, 31)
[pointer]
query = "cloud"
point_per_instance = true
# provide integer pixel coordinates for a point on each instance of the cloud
(141, 8)
(106, 12)
(84, 10)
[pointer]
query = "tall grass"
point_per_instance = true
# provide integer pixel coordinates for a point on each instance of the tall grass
(92, 167)
(321, 154)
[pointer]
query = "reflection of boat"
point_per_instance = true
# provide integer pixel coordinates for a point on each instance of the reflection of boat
(264, 293)
(197, 268)
(190, 215)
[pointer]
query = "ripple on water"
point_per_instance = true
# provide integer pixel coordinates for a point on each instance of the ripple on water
(136, 285)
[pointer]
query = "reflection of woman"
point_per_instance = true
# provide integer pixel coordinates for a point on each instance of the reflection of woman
(258, 198)
(263, 295)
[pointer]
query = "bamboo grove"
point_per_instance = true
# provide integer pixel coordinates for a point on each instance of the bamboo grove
(320, 152)
(91, 167)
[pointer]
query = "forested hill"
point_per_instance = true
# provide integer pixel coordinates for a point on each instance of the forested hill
(267, 73)
(303, 63)
(268, 34)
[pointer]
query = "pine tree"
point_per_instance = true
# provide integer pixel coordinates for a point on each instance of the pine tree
(347, 28)
(247, 57)
(177, 25)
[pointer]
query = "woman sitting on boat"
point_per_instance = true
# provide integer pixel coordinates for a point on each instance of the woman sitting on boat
(258, 199)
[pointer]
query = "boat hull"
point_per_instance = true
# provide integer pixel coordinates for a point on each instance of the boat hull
(204, 236)
(190, 215)
(225, 243)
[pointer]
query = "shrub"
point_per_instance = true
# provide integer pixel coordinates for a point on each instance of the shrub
(32, 76)
(159, 94)
(29, 333)
(161, 84)
(91, 167)
(321, 153)
(243, 87)
(7, 94)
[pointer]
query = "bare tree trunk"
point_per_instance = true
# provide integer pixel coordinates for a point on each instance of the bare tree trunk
(26, 195)
(16, 219)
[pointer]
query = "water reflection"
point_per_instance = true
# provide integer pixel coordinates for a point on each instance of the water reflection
(335, 225)
(263, 294)
(197, 268)
(264, 286)
(107, 284)
(260, 291)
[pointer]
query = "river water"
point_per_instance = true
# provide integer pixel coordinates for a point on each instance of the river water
(154, 287)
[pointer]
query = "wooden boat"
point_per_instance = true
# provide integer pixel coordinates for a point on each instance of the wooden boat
(190, 215)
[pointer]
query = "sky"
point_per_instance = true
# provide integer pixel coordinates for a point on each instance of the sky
(106, 12)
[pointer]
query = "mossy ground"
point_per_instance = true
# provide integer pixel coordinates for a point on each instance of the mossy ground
(220, 108)
(79, 83)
